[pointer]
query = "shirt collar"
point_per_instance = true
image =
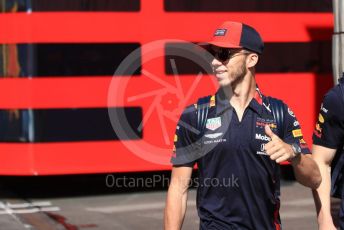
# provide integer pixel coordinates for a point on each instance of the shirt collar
(257, 102)
(222, 103)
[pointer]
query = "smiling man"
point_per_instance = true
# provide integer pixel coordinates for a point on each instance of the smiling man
(238, 151)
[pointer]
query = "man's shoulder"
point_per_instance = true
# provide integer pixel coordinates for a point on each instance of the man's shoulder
(283, 110)
(333, 100)
(190, 111)
(192, 108)
(334, 93)
(269, 99)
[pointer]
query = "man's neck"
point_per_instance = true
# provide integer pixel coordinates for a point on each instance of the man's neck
(241, 93)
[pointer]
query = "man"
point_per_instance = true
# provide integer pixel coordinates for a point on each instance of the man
(238, 186)
(328, 141)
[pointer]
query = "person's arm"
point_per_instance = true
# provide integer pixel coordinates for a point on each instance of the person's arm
(177, 198)
(323, 157)
(306, 170)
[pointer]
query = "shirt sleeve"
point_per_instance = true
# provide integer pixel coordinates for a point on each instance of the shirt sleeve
(185, 146)
(329, 128)
(293, 132)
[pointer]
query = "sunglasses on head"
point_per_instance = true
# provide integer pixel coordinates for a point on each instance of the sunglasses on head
(223, 54)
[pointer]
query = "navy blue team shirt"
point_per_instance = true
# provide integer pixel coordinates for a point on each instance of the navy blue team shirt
(238, 184)
(329, 129)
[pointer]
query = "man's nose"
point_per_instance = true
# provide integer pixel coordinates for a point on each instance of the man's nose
(215, 62)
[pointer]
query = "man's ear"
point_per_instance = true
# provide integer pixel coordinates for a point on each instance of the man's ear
(252, 60)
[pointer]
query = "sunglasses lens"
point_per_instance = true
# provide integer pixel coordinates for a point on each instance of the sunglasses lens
(223, 54)
(212, 52)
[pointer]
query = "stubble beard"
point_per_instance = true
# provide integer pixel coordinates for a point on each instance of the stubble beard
(239, 75)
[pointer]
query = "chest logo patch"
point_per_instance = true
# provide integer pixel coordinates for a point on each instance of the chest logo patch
(213, 135)
(297, 133)
(291, 113)
(321, 118)
(213, 123)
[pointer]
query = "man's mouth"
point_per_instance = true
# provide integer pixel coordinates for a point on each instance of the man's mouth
(219, 72)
